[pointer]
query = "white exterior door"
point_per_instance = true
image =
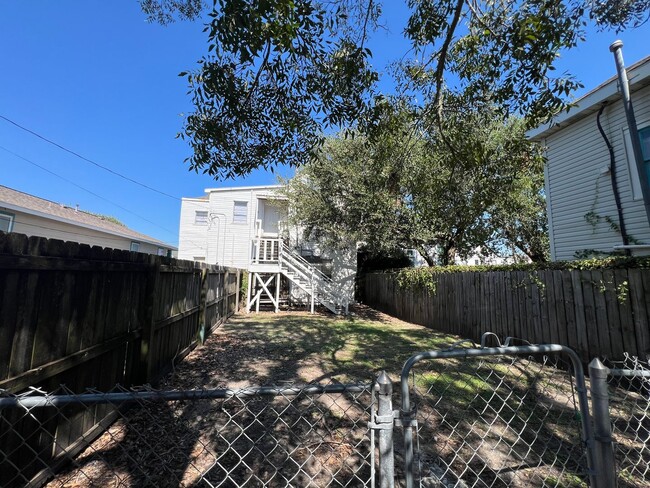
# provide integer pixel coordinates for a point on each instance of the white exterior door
(270, 216)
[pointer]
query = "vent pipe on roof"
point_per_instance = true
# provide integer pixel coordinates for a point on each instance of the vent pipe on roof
(76, 208)
(624, 87)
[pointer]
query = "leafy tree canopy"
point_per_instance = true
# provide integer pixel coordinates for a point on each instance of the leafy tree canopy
(480, 185)
(279, 73)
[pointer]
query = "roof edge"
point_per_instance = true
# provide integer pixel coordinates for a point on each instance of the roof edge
(605, 92)
(240, 188)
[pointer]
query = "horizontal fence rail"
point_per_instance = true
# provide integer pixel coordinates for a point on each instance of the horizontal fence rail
(597, 313)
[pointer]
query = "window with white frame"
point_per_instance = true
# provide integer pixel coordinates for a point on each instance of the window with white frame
(201, 217)
(240, 213)
(135, 246)
(6, 222)
(644, 137)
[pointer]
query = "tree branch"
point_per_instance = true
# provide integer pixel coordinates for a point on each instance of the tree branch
(265, 61)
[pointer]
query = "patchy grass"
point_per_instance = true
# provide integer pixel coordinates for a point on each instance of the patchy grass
(269, 348)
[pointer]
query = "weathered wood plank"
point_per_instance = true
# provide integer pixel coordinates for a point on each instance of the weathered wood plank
(45, 371)
(639, 312)
(590, 313)
(560, 309)
(602, 320)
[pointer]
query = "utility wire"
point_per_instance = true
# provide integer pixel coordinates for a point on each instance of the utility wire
(86, 189)
(88, 160)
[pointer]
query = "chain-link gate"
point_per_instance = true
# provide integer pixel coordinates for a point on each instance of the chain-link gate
(501, 416)
(268, 436)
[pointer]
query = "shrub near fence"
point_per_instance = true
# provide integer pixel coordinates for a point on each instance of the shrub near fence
(598, 312)
(93, 317)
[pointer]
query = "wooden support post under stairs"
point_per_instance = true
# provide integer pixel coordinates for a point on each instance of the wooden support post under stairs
(275, 300)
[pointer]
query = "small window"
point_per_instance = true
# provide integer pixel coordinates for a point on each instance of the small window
(135, 246)
(199, 258)
(644, 138)
(6, 222)
(162, 251)
(240, 213)
(201, 217)
(476, 262)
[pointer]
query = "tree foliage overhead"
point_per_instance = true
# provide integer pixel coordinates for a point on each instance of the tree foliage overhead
(280, 72)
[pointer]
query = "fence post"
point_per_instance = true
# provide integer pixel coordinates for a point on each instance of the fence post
(146, 371)
(203, 306)
(603, 448)
(237, 297)
(384, 422)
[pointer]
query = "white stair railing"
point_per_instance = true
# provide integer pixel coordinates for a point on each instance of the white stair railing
(321, 286)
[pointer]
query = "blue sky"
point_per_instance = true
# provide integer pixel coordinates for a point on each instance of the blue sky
(95, 77)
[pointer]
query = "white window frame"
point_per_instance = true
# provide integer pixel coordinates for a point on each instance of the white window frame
(135, 246)
(241, 218)
(635, 184)
(199, 216)
(10, 217)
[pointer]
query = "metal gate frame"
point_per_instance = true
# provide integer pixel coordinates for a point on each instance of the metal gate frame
(406, 415)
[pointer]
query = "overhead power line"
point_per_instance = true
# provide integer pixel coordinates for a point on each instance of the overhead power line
(49, 141)
(86, 190)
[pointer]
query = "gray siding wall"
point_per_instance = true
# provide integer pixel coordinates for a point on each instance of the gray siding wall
(577, 186)
(33, 225)
(192, 237)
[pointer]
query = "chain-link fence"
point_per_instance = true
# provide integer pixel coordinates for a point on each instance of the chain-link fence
(629, 410)
(469, 417)
(271, 436)
(507, 416)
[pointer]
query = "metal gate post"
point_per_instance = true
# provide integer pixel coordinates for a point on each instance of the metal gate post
(603, 447)
(383, 422)
(385, 411)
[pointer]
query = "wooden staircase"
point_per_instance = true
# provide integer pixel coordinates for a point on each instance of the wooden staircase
(273, 256)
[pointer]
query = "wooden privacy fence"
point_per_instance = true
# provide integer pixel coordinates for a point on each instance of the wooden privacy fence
(93, 317)
(598, 313)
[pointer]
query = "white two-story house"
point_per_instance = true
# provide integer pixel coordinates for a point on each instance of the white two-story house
(246, 227)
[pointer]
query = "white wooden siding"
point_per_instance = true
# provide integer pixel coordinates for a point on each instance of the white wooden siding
(192, 238)
(576, 186)
(228, 243)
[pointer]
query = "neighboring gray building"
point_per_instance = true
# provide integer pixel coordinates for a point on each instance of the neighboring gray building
(582, 212)
(26, 214)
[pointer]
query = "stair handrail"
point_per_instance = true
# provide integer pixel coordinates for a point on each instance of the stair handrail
(325, 282)
(306, 263)
(311, 273)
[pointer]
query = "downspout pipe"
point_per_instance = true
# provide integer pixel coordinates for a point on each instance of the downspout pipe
(612, 169)
(624, 87)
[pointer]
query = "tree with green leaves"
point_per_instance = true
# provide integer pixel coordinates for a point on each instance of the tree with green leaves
(443, 196)
(280, 73)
